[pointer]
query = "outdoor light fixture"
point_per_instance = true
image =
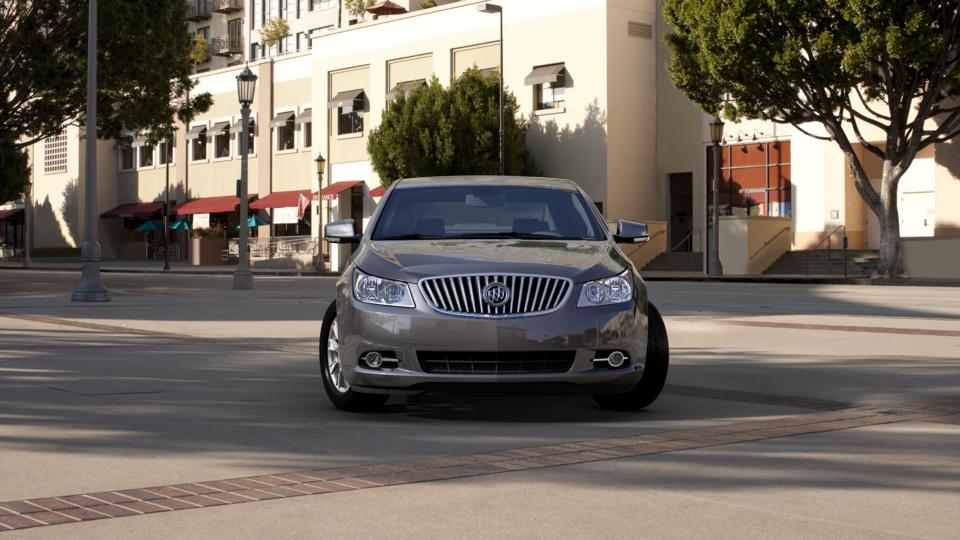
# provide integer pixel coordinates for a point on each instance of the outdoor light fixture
(246, 86)
(321, 164)
(716, 131)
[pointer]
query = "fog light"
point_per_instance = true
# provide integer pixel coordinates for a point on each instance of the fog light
(616, 359)
(373, 359)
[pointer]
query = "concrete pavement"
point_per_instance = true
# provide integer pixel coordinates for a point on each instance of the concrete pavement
(182, 379)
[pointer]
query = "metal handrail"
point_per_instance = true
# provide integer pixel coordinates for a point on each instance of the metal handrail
(770, 241)
(683, 240)
(828, 239)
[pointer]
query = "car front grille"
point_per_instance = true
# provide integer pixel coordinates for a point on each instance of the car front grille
(525, 294)
(486, 363)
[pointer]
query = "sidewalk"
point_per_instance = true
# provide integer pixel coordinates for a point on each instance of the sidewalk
(181, 267)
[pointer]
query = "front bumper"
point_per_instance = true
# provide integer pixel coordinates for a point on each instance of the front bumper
(404, 331)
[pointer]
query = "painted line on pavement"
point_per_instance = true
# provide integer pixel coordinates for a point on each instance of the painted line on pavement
(21, 514)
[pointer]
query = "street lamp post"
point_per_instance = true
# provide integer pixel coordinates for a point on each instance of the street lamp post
(90, 288)
(246, 86)
(494, 8)
(27, 207)
(321, 163)
(714, 266)
(166, 205)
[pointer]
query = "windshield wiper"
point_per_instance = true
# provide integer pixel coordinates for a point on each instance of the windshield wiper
(505, 234)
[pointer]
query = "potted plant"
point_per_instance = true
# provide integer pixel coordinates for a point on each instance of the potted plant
(207, 245)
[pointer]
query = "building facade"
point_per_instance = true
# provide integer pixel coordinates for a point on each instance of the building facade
(590, 79)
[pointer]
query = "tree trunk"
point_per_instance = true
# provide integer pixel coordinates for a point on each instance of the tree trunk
(891, 264)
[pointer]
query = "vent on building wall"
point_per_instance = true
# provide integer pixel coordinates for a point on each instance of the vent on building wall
(639, 30)
(55, 154)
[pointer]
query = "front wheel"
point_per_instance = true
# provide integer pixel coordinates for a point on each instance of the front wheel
(654, 373)
(334, 379)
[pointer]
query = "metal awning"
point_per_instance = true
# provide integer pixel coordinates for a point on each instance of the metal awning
(195, 131)
(282, 199)
(405, 87)
(305, 117)
(210, 205)
(345, 99)
(545, 74)
(281, 119)
(220, 127)
(238, 125)
(9, 213)
(139, 140)
(333, 190)
(131, 210)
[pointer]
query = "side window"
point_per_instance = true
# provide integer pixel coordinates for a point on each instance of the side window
(285, 135)
(199, 146)
(126, 157)
(349, 120)
(146, 156)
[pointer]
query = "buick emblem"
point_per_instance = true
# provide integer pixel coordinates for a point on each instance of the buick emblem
(496, 294)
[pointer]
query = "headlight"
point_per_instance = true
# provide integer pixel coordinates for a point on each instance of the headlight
(384, 292)
(612, 290)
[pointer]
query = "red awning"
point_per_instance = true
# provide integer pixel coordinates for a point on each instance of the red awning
(210, 205)
(386, 7)
(281, 199)
(330, 192)
(4, 214)
(378, 191)
(138, 210)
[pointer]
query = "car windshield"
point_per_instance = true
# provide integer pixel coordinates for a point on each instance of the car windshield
(424, 213)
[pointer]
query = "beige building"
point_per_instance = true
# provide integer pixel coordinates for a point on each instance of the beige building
(590, 79)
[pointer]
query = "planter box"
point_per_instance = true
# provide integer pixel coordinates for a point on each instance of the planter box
(204, 251)
(132, 250)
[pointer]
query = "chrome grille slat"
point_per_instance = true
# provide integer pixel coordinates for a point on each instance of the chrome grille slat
(463, 294)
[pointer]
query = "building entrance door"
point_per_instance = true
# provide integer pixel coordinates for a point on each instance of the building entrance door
(681, 211)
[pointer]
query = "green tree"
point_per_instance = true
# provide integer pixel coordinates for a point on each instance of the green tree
(888, 66)
(201, 50)
(437, 131)
(143, 70)
(358, 8)
(273, 31)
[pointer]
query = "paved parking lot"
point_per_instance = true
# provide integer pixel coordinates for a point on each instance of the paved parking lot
(791, 410)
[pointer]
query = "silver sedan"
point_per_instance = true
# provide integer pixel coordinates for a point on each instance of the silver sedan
(490, 284)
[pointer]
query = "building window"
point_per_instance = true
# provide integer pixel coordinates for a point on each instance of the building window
(146, 156)
(549, 96)
(321, 4)
(299, 41)
(285, 134)
(221, 143)
(126, 157)
(755, 179)
(199, 146)
(204, 31)
(254, 50)
(55, 154)
(307, 134)
(349, 120)
(251, 133)
(165, 154)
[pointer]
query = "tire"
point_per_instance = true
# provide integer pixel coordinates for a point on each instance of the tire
(334, 383)
(654, 374)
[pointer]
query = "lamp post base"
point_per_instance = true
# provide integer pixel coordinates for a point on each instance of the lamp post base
(242, 280)
(90, 288)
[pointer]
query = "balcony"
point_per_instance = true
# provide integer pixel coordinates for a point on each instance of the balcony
(227, 6)
(198, 10)
(228, 45)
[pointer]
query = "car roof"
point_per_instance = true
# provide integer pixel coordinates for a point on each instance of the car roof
(525, 181)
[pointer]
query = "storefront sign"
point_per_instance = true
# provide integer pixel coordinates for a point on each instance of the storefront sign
(201, 221)
(285, 215)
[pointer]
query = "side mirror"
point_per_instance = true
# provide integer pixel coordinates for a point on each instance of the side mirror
(631, 232)
(341, 232)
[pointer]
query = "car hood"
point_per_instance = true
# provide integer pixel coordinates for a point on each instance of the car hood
(412, 260)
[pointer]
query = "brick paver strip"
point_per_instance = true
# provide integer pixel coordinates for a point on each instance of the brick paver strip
(131, 502)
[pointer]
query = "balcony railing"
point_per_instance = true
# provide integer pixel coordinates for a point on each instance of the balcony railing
(227, 45)
(198, 10)
(227, 6)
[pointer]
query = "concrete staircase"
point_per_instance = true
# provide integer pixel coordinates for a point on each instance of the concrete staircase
(678, 261)
(825, 263)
